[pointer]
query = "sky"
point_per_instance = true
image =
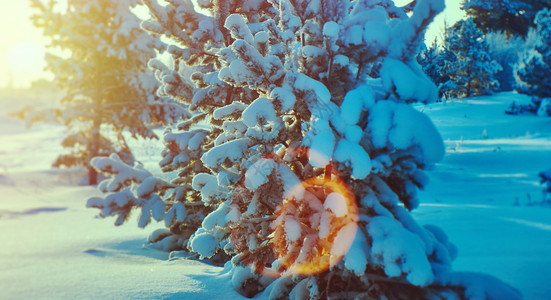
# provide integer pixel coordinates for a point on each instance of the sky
(451, 14)
(22, 45)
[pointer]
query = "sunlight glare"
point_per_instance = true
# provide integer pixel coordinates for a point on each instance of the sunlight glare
(26, 58)
(328, 241)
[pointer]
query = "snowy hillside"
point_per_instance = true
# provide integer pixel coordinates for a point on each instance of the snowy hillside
(485, 195)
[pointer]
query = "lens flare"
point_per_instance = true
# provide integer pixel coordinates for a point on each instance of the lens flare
(315, 225)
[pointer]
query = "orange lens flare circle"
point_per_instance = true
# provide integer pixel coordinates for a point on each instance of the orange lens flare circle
(315, 225)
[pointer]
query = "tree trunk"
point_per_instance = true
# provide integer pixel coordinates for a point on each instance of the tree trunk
(92, 176)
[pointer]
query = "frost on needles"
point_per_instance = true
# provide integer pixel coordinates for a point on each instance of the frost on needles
(303, 157)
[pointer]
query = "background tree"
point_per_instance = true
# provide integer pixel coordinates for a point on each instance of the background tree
(433, 60)
(506, 50)
(533, 71)
(511, 16)
(546, 181)
(99, 55)
(470, 68)
(304, 152)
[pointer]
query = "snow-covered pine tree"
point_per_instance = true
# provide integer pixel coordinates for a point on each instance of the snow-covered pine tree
(304, 147)
(509, 16)
(505, 49)
(533, 71)
(99, 59)
(433, 62)
(471, 70)
(546, 181)
(191, 78)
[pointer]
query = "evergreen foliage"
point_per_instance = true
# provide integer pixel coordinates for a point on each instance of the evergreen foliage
(511, 16)
(99, 55)
(546, 181)
(303, 156)
(506, 50)
(433, 62)
(469, 66)
(532, 72)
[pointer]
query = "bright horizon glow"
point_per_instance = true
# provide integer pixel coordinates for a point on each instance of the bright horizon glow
(26, 58)
(22, 47)
(23, 44)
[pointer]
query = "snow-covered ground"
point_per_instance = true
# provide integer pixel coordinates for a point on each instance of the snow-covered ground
(485, 194)
(52, 247)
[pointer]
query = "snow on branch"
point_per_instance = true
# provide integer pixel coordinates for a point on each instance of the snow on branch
(122, 174)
